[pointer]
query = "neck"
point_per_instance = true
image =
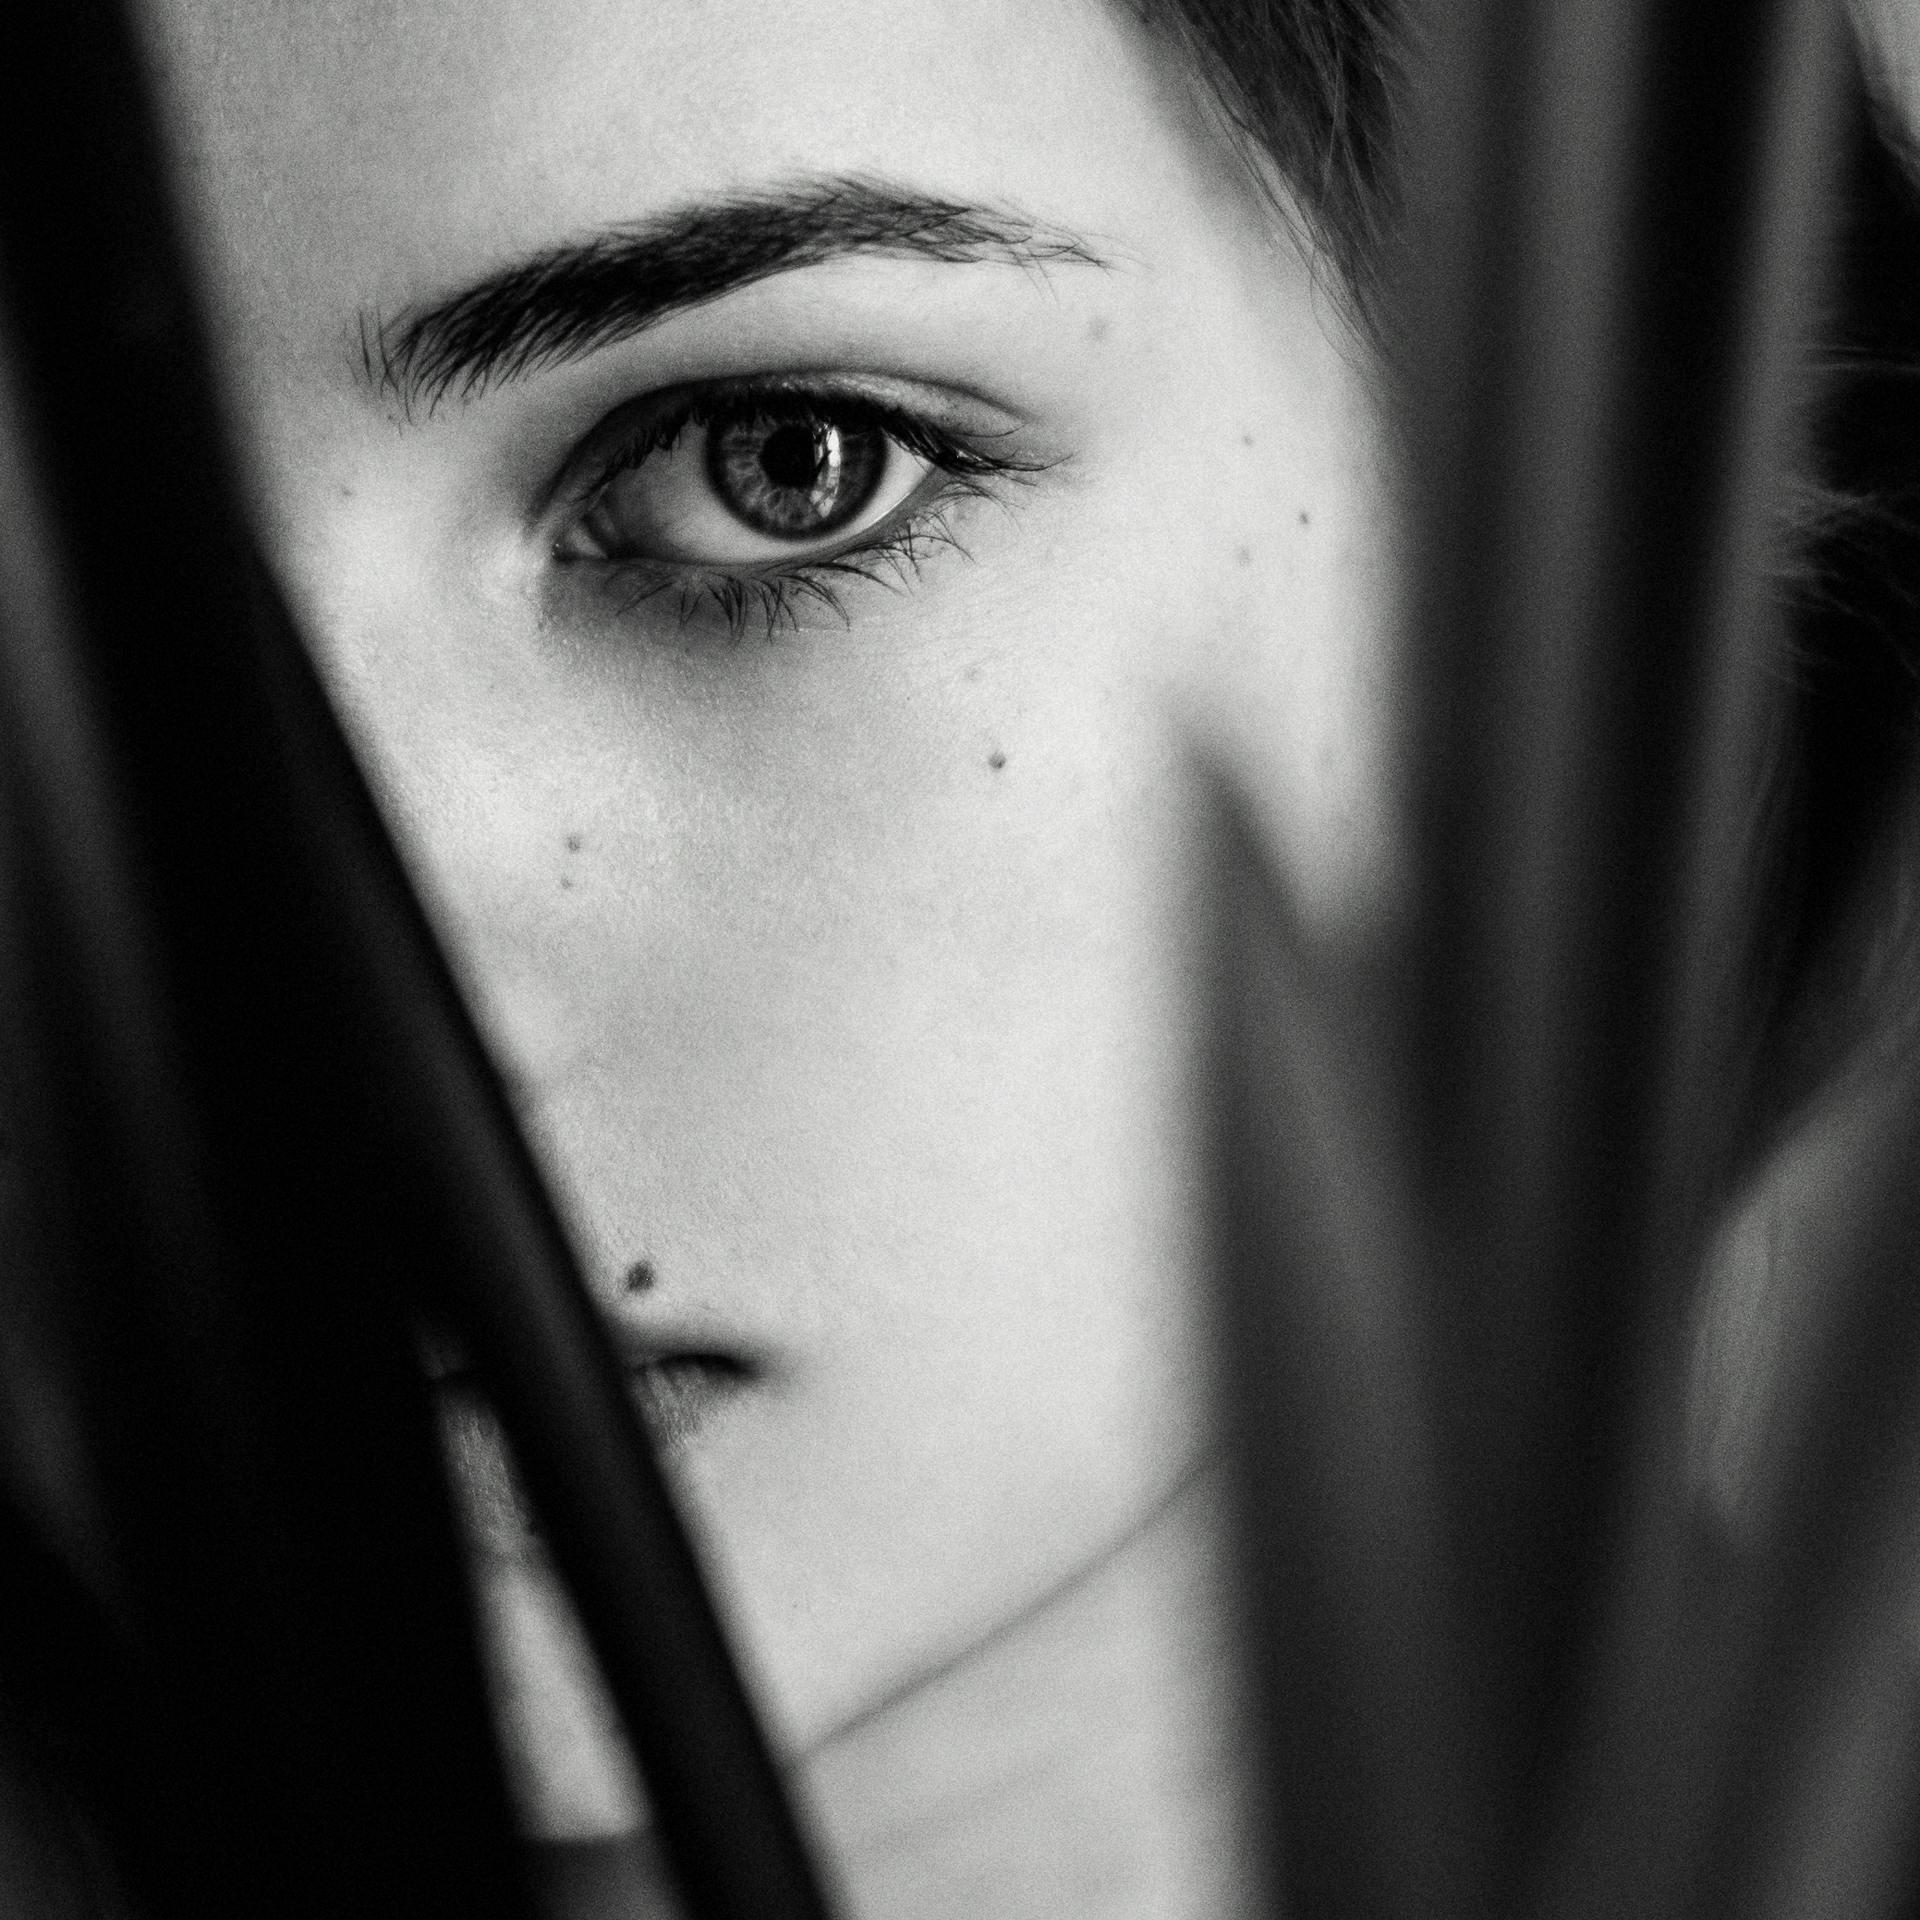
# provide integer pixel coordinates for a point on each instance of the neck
(1080, 1763)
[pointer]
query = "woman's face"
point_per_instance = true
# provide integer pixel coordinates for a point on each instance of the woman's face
(772, 629)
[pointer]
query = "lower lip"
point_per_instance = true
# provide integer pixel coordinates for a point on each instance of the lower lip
(678, 1395)
(675, 1396)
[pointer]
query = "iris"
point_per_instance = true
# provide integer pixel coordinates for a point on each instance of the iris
(794, 479)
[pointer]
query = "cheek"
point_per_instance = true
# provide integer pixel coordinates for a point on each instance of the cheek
(1301, 706)
(1261, 600)
(855, 1000)
(908, 959)
(928, 1121)
(1891, 29)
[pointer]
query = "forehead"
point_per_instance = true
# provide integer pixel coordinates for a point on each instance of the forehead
(384, 147)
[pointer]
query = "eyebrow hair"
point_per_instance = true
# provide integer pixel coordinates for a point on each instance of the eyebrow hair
(572, 300)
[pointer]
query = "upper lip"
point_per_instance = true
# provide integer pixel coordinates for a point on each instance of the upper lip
(450, 1363)
(643, 1344)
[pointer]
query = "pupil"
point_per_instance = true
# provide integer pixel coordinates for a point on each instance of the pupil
(791, 457)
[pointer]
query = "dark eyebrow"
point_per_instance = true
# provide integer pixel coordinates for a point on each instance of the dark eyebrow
(573, 299)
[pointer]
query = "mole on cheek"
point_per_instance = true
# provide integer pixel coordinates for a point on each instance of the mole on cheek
(996, 761)
(1098, 328)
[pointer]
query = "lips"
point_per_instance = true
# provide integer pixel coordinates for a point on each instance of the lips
(678, 1393)
(675, 1394)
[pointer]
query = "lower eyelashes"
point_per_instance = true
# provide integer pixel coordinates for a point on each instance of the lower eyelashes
(772, 600)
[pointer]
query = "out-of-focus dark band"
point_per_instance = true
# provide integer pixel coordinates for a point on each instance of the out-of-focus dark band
(259, 1137)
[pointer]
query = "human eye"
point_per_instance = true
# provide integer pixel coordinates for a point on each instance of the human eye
(754, 502)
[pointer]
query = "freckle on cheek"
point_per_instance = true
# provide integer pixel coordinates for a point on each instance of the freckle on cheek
(1246, 439)
(1244, 556)
(1097, 327)
(1305, 518)
(573, 843)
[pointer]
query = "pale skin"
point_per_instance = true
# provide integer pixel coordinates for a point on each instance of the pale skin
(844, 975)
(1890, 31)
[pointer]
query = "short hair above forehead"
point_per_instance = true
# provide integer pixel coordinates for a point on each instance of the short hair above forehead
(1312, 87)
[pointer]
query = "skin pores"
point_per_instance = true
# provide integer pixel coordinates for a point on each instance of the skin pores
(842, 964)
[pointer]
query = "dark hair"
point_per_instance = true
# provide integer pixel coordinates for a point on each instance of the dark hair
(1849, 927)
(1313, 87)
